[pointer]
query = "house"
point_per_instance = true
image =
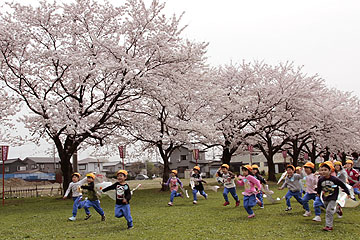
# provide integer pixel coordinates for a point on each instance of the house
(43, 164)
(183, 160)
(91, 165)
(14, 165)
(110, 168)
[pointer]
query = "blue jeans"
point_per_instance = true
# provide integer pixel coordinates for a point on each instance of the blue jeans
(356, 191)
(124, 211)
(233, 193)
(249, 202)
(95, 204)
(174, 194)
(296, 195)
(260, 197)
(306, 199)
(317, 204)
(76, 205)
(194, 191)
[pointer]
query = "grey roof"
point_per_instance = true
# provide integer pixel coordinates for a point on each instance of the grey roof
(43, 159)
(92, 160)
(9, 161)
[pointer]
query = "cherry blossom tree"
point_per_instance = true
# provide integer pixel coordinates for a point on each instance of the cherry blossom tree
(77, 66)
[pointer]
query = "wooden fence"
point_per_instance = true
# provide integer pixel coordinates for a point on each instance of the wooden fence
(33, 192)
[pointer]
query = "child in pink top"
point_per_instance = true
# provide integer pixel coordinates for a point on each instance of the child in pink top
(311, 184)
(174, 183)
(249, 182)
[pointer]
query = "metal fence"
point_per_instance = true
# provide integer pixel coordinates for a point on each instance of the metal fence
(33, 192)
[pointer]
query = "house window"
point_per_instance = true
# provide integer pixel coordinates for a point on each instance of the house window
(56, 166)
(182, 157)
(21, 168)
(82, 167)
(33, 166)
(7, 169)
(265, 164)
(42, 166)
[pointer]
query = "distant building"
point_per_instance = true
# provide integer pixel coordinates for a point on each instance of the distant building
(91, 165)
(14, 165)
(43, 164)
(182, 159)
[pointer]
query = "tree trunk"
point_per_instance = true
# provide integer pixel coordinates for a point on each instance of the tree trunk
(166, 173)
(226, 156)
(66, 169)
(271, 167)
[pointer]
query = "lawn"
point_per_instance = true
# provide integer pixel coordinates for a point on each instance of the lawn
(46, 218)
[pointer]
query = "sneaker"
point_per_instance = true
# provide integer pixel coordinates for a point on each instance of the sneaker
(317, 219)
(328, 229)
(170, 204)
(262, 207)
(307, 214)
(288, 209)
(226, 203)
(339, 211)
(237, 203)
(251, 215)
(130, 227)
(206, 196)
(194, 202)
(258, 202)
(72, 218)
(103, 218)
(87, 217)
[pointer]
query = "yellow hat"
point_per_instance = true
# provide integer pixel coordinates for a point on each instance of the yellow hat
(197, 168)
(329, 164)
(338, 163)
(290, 166)
(174, 172)
(225, 166)
(298, 168)
(123, 172)
(90, 175)
(76, 174)
(350, 161)
(309, 165)
(255, 166)
(248, 167)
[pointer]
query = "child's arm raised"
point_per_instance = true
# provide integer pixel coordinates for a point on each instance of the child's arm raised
(111, 187)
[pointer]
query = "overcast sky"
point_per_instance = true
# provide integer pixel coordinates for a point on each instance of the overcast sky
(322, 35)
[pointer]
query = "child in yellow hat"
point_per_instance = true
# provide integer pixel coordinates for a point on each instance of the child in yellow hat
(310, 191)
(249, 182)
(92, 198)
(198, 186)
(123, 196)
(328, 190)
(293, 184)
(259, 195)
(174, 183)
(74, 187)
(227, 178)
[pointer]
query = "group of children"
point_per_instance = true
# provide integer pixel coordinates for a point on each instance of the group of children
(323, 187)
(122, 191)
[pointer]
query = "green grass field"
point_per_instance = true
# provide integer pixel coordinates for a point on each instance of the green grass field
(46, 218)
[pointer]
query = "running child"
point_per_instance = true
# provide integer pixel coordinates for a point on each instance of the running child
(92, 198)
(196, 177)
(353, 176)
(174, 181)
(256, 173)
(74, 187)
(249, 182)
(340, 172)
(328, 190)
(293, 184)
(310, 191)
(227, 179)
(123, 196)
